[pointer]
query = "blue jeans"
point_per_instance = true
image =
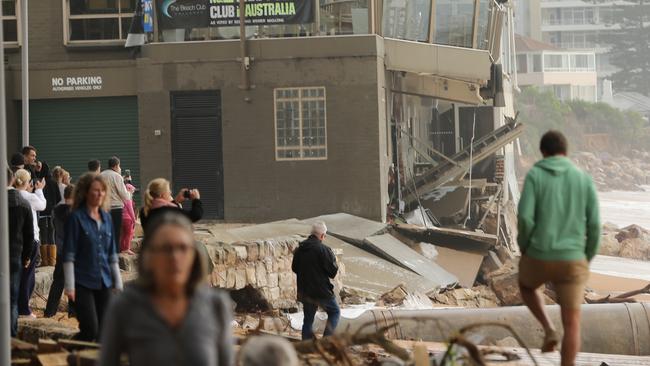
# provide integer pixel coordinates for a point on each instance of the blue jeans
(310, 306)
(14, 284)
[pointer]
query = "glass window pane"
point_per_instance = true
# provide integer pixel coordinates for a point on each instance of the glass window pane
(407, 19)
(344, 17)
(483, 18)
(78, 7)
(10, 29)
(454, 22)
(8, 7)
(127, 6)
(94, 29)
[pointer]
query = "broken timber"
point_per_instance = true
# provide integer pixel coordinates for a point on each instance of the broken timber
(475, 153)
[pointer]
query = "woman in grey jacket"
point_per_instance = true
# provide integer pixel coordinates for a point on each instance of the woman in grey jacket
(169, 316)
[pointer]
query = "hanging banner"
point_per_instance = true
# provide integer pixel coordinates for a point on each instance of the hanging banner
(179, 14)
(147, 12)
(175, 14)
(261, 12)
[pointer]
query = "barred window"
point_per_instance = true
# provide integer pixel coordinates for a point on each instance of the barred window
(300, 124)
(98, 21)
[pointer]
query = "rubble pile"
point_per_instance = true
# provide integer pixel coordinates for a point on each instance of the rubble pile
(616, 173)
(630, 242)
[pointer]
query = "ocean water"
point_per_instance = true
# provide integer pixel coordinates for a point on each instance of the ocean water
(626, 208)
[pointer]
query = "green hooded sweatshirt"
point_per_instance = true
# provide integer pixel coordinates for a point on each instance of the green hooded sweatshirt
(558, 212)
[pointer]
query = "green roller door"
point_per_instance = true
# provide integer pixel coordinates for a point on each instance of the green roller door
(70, 132)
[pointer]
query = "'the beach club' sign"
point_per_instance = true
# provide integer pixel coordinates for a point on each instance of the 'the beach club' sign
(76, 83)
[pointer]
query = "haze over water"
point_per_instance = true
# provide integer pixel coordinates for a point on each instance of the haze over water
(626, 208)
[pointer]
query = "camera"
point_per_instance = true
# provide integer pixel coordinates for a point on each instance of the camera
(187, 192)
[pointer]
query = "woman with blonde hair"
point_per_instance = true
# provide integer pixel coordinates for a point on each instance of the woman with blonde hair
(37, 202)
(90, 261)
(158, 199)
(62, 179)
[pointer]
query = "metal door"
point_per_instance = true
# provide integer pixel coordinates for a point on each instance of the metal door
(197, 147)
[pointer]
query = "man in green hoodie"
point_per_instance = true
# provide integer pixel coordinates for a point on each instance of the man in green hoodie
(559, 234)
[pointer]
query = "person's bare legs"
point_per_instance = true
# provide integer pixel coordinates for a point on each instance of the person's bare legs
(571, 340)
(535, 303)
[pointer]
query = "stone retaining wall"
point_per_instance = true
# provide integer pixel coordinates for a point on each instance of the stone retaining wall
(263, 265)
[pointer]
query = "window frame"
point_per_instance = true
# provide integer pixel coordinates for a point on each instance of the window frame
(18, 17)
(300, 99)
(67, 17)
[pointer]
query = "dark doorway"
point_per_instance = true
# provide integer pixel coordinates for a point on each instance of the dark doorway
(197, 147)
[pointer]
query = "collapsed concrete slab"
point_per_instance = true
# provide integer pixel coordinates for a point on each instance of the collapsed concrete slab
(270, 230)
(389, 248)
(464, 265)
(450, 238)
(352, 229)
(373, 274)
(363, 270)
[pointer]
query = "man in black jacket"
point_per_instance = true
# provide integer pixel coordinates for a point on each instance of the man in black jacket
(21, 239)
(314, 264)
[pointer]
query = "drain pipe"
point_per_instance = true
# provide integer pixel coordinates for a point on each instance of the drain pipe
(245, 61)
(617, 329)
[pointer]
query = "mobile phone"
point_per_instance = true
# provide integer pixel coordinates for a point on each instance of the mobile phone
(186, 194)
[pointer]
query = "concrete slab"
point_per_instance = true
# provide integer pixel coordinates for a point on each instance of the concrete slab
(389, 248)
(468, 241)
(348, 227)
(363, 270)
(271, 230)
(464, 265)
(373, 274)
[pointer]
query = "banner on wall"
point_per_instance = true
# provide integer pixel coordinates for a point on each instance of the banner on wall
(147, 11)
(175, 14)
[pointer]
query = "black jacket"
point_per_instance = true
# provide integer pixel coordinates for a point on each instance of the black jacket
(195, 214)
(21, 230)
(314, 264)
(51, 191)
(60, 215)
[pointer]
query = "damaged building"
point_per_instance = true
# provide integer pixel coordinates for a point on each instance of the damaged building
(364, 106)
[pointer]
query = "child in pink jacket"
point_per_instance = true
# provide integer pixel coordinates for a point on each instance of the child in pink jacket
(128, 222)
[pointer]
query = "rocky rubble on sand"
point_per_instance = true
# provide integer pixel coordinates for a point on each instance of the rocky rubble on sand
(630, 242)
(616, 173)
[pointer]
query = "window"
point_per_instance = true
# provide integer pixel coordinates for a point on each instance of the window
(537, 63)
(300, 124)
(10, 21)
(553, 62)
(454, 22)
(407, 19)
(522, 64)
(583, 63)
(98, 21)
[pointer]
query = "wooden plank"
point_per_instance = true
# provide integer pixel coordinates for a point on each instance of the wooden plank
(53, 359)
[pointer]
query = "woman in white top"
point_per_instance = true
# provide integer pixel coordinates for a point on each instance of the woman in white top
(37, 203)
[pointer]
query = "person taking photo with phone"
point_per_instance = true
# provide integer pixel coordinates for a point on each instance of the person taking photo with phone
(158, 199)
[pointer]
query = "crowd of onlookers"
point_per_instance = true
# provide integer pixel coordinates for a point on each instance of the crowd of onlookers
(168, 315)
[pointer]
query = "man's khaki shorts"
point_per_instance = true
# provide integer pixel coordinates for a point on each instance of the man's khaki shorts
(569, 278)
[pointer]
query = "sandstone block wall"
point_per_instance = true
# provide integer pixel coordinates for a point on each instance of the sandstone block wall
(261, 265)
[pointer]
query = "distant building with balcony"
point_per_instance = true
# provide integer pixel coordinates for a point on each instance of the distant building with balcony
(570, 75)
(575, 25)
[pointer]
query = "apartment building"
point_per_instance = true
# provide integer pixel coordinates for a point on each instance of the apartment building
(576, 25)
